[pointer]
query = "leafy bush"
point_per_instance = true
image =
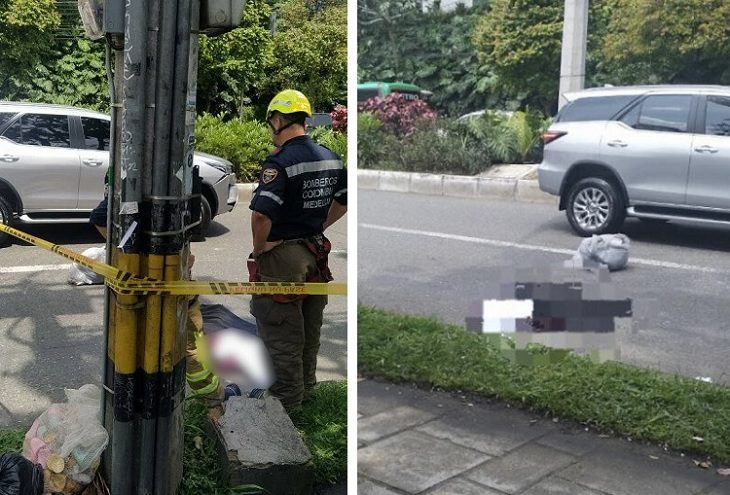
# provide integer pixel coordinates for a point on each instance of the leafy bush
(509, 138)
(442, 146)
(244, 143)
(449, 146)
(399, 115)
(370, 138)
(336, 141)
(339, 118)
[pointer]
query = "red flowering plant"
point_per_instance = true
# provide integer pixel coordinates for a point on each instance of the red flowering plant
(339, 118)
(399, 115)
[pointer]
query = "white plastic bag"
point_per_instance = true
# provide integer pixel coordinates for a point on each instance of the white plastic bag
(80, 275)
(67, 440)
(611, 250)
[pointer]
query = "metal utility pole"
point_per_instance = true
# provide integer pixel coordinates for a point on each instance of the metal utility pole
(573, 58)
(152, 211)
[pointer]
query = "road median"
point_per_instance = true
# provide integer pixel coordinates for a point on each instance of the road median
(503, 182)
(676, 412)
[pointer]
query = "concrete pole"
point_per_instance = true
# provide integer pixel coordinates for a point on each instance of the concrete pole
(573, 58)
(152, 152)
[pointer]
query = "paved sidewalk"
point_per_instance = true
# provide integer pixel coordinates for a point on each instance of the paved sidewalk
(413, 441)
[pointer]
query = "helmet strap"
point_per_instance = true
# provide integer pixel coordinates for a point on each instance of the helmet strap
(280, 129)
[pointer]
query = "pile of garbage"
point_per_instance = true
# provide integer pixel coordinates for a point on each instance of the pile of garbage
(608, 250)
(62, 450)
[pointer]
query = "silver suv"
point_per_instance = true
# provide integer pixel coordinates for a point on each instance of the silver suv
(53, 161)
(658, 153)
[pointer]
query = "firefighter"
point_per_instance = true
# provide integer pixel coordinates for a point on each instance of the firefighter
(302, 190)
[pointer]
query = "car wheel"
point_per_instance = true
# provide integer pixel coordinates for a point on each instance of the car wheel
(594, 207)
(6, 215)
(206, 216)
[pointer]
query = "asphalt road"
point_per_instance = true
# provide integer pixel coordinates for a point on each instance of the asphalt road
(51, 332)
(433, 256)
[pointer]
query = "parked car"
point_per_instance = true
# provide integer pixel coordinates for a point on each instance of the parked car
(475, 115)
(53, 160)
(658, 153)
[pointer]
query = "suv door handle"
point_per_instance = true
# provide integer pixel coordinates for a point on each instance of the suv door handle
(617, 143)
(9, 158)
(706, 149)
(92, 163)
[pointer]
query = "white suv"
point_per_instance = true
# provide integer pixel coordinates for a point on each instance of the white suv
(53, 161)
(658, 153)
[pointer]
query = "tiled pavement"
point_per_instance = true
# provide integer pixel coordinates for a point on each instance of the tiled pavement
(412, 441)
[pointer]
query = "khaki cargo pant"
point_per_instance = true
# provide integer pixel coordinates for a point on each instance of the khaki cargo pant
(290, 331)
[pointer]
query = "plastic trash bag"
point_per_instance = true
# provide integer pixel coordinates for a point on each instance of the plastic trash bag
(67, 441)
(80, 275)
(610, 250)
(19, 476)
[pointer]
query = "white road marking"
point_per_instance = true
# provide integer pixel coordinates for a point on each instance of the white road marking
(544, 249)
(32, 268)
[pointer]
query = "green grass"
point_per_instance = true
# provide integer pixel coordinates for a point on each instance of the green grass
(612, 396)
(322, 421)
(11, 441)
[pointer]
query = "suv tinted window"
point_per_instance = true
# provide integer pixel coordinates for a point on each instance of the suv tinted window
(667, 113)
(40, 130)
(593, 108)
(717, 117)
(96, 134)
(5, 118)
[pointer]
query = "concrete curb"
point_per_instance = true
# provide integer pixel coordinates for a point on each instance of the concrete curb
(463, 186)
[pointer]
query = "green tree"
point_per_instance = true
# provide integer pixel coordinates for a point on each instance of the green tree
(433, 50)
(233, 67)
(26, 33)
(520, 41)
(310, 52)
(73, 75)
(672, 41)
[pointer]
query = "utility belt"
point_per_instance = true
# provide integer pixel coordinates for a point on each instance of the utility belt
(319, 246)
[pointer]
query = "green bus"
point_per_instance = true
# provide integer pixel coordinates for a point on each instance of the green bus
(373, 89)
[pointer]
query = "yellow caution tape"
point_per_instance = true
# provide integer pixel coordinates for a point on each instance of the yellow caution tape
(126, 283)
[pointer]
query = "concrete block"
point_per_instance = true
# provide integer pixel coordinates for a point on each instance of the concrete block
(528, 190)
(368, 179)
(509, 171)
(367, 487)
(415, 462)
(258, 444)
(520, 468)
(460, 486)
(427, 184)
(491, 430)
(577, 443)
(613, 469)
(557, 486)
(388, 422)
(496, 188)
(395, 181)
(460, 186)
